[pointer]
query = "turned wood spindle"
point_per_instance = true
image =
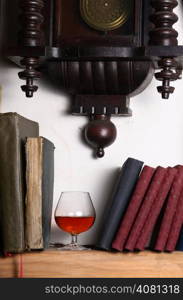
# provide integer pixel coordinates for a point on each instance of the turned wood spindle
(29, 74)
(169, 73)
(163, 34)
(31, 35)
(163, 17)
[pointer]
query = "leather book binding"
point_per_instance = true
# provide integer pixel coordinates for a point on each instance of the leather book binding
(170, 209)
(123, 191)
(13, 132)
(145, 208)
(39, 196)
(176, 227)
(133, 208)
(156, 209)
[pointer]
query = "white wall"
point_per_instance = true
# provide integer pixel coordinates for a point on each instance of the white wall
(154, 134)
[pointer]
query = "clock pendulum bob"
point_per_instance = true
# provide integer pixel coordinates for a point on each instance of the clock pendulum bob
(100, 133)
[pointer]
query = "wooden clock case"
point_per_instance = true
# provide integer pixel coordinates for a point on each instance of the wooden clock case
(100, 69)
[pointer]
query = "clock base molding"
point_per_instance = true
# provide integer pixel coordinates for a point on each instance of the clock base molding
(101, 89)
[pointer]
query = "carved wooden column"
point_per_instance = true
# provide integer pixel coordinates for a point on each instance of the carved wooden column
(31, 35)
(163, 34)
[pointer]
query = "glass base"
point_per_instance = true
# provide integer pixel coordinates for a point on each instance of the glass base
(69, 247)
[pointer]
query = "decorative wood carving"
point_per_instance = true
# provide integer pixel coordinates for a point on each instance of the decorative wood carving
(163, 34)
(31, 35)
(100, 89)
(31, 20)
(29, 74)
(163, 18)
(170, 72)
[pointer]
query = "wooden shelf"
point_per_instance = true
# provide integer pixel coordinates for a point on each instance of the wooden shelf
(81, 264)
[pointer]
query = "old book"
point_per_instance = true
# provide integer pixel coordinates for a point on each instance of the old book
(176, 226)
(39, 197)
(122, 193)
(13, 132)
(151, 243)
(179, 246)
(170, 209)
(145, 208)
(133, 208)
(156, 209)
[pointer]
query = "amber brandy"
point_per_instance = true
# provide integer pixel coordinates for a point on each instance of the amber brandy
(74, 225)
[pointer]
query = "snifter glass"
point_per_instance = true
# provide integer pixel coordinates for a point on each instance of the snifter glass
(74, 214)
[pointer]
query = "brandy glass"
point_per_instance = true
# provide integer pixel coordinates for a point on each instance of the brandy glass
(74, 214)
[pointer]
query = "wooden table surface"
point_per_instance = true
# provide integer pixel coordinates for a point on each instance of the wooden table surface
(81, 264)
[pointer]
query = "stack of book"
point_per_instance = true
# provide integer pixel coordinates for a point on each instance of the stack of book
(26, 185)
(146, 211)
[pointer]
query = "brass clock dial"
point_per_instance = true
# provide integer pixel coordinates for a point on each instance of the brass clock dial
(105, 15)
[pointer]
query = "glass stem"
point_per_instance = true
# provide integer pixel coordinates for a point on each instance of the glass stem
(74, 239)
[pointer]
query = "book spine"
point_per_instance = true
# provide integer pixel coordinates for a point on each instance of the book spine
(155, 209)
(133, 207)
(179, 246)
(127, 181)
(33, 203)
(176, 226)
(39, 197)
(47, 190)
(169, 210)
(145, 208)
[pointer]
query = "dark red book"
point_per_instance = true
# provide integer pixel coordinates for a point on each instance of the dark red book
(176, 227)
(133, 207)
(145, 208)
(156, 209)
(170, 209)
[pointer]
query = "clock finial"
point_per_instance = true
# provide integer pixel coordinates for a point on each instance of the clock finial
(163, 34)
(31, 35)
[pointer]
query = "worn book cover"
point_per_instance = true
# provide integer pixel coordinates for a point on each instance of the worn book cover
(39, 196)
(14, 129)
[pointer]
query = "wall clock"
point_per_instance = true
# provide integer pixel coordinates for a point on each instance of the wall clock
(102, 52)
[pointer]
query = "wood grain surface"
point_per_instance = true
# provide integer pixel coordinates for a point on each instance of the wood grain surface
(81, 264)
